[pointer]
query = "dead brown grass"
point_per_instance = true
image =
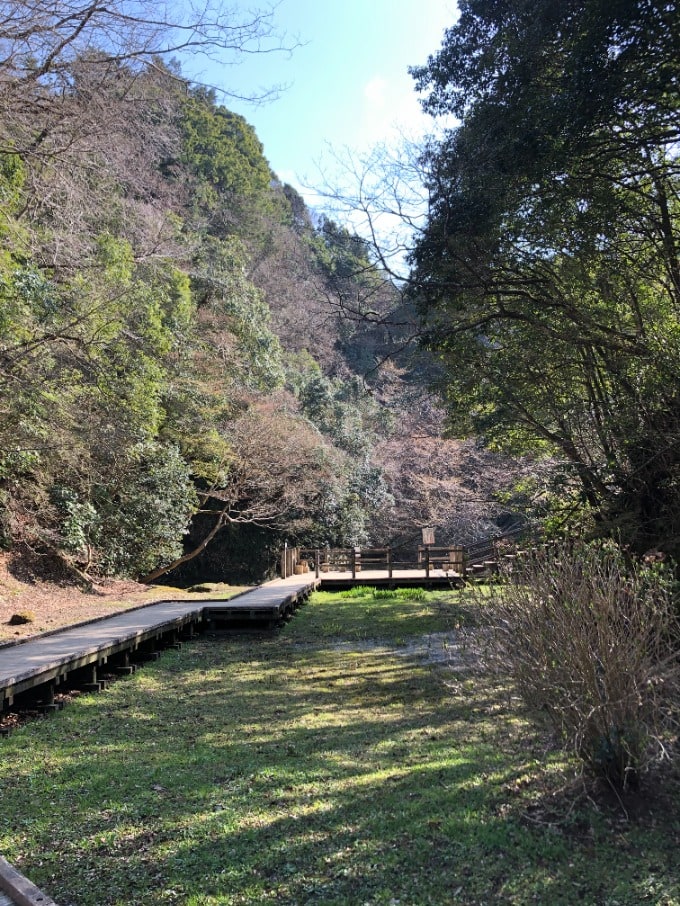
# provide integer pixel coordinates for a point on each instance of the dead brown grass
(56, 602)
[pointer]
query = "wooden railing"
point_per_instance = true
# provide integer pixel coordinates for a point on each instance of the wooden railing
(479, 558)
(384, 559)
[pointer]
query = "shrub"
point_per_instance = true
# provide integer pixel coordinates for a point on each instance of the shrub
(383, 594)
(593, 642)
(143, 510)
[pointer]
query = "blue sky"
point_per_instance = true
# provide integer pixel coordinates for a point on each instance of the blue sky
(348, 85)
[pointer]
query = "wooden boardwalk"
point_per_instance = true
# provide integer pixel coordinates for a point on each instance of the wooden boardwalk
(16, 890)
(108, 645)
(39, 665)
(49, 660)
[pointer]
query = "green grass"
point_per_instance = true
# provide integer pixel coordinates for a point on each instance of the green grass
(393, 616)
(310, 767)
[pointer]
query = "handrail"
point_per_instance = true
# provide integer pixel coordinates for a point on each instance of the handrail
(447, 557)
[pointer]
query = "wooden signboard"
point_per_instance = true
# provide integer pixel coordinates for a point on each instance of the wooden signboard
(428, 536)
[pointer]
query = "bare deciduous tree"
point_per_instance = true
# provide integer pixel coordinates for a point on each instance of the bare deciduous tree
(39, 40)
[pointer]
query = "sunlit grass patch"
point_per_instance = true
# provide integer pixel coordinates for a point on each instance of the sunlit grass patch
(396, 616)
(297, 768)
(384, 594)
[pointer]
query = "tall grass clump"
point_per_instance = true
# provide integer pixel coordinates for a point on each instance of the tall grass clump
(399, 594)
(593, 642)
(385, 594)
(358, 591)
(412, 594)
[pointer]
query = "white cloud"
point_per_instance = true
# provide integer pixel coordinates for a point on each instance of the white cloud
(389, 110)
(375, 91)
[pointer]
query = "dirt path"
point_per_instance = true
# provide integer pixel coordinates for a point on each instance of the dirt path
(53, 604)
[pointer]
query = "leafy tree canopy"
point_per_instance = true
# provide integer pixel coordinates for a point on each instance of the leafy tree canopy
(549, 266)
(223, 148)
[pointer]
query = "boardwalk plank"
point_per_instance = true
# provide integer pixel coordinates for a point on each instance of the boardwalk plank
(47, 656)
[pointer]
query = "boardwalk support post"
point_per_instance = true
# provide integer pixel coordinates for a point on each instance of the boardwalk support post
(48, 703)
(125, 667)
(92, 683)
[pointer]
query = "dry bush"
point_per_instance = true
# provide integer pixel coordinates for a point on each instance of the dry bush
(594, 643)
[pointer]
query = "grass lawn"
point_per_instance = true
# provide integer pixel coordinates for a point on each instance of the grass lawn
(351, 758)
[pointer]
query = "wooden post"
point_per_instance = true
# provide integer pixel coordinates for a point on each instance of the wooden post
(389, 562)
(284, 561)
(93, 683)
(126, 667)
(48, 703)
(48, 698)
(457, 560)
(427, 562)
(354, 562)
(317, 562)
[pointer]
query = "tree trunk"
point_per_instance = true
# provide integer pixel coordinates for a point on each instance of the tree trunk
(162, 570)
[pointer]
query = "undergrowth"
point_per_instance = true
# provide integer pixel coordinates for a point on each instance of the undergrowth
(592, 642)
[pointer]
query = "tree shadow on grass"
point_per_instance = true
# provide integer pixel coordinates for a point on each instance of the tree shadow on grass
(242, 774)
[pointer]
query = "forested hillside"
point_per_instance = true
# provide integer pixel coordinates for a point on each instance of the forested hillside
(183, 345)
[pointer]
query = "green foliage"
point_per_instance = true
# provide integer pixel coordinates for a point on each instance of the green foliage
(222, 150)
(411, 594)
(143, 511)
(236, 314)
(299, 215)
(548, 270)
(88, 361)
(343, 254)
(348, 415)
(138, 362)
(135, 514)
(358, 591)
(78, 520)
(12, 179)
(342, 409)
(385, 594)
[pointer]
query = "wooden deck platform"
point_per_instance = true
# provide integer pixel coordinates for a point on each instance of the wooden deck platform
(49, 660)
(396, 578)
